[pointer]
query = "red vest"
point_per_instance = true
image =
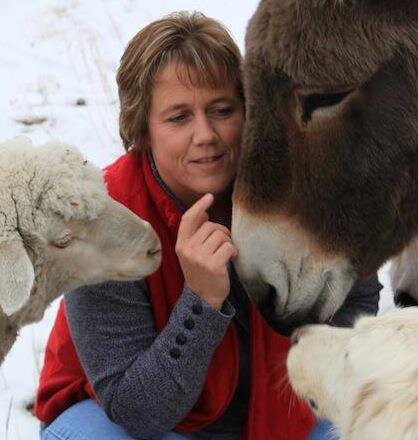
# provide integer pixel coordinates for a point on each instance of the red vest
(274, 412)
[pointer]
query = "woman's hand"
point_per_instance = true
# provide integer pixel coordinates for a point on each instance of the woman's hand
(204, 248)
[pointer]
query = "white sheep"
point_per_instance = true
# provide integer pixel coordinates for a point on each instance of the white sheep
(59, 229)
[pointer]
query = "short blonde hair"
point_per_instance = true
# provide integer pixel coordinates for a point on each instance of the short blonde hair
(199, 42)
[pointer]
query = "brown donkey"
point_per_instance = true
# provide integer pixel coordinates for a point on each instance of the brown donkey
(327, 188)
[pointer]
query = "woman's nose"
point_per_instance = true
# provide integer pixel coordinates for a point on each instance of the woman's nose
(204, 131)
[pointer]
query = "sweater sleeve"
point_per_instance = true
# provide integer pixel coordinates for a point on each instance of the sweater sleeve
(363, 299)
(146, 382)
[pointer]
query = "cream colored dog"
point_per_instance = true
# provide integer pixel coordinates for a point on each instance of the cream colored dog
(365, 380)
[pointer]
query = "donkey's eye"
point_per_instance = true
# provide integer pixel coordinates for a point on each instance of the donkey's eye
(317, 101)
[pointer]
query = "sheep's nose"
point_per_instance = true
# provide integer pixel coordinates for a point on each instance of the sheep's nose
(297, 334)
(153, 243)
(404, 299)
(153, 252)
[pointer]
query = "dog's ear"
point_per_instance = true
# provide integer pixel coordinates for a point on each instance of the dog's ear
(16, 276)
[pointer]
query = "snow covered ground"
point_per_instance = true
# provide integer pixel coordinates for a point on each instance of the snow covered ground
(58, 60)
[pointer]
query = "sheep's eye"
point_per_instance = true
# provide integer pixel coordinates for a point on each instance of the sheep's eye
(313, 404)
(63, 242)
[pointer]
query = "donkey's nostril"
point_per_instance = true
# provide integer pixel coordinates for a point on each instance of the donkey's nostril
(404, 299)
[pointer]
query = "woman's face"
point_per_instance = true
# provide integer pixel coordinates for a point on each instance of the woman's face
(194, 134)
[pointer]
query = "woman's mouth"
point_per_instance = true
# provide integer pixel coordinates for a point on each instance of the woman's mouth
(208, 159)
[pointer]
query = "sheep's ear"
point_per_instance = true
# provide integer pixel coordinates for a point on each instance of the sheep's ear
(16, 276)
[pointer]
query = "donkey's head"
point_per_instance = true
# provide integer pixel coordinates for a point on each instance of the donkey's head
(327, 188)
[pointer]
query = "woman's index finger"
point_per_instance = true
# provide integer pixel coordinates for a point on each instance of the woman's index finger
(195, 216)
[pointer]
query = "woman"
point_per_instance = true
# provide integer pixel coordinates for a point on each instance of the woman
(182, 354)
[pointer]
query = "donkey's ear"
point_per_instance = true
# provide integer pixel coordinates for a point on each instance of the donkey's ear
(16, 276)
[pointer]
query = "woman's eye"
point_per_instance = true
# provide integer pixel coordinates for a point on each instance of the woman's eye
(223, 111)
(178, 118)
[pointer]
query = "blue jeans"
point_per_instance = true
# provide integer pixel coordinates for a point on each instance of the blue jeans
(87, 421)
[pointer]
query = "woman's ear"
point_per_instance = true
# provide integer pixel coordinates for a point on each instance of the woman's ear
(17, 276)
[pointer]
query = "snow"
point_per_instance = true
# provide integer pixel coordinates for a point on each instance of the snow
(55, 53)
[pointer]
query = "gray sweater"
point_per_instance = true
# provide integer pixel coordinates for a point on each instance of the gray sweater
(148, 382)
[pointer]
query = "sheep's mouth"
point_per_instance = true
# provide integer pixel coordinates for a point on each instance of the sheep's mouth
(127, 277)
(134, 275)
